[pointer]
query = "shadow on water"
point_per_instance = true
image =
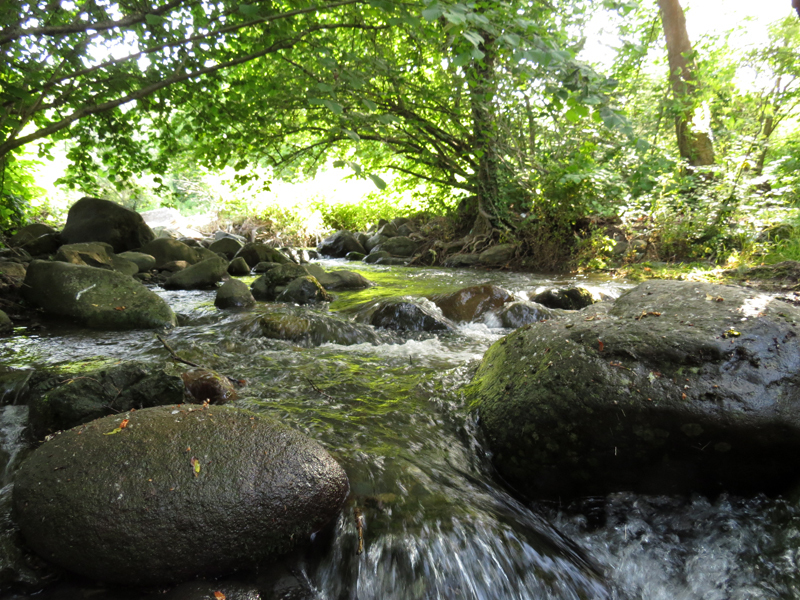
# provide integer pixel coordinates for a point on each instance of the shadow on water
(435, 522)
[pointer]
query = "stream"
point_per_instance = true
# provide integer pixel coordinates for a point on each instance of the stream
(438, 524)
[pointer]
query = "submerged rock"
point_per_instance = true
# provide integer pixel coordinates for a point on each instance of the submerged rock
(98, 220)
(71, 397)
(177, 493)
(97, 298)
(673, 387)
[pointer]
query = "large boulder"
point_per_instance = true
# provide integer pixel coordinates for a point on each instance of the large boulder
(203, 275)
(255, 253)
(239, 267)
(517, 314)
(340, 279)
(673, 387)
(95, 254)
(339, 244)
(167, 250)
(470, 303)
(68, 398)
(97, 220)
(28, 233)
(144, 262)
(399, 246)
(270, 285)
(97, 298)
(177, 492)
(405, 315)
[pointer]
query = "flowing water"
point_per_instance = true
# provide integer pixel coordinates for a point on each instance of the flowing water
(436, 521)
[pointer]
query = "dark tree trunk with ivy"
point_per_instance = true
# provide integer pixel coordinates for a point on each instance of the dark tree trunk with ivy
(695, 146)
(481, 81)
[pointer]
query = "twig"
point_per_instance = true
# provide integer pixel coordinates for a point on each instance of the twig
(359, 528)
(316, 389)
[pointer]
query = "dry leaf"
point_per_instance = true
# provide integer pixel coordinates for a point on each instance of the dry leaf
(119, 308)
(196, 466)
(219, 596)
(124, 423)
(600, 345)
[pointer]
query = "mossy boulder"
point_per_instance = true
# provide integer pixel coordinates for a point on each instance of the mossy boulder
(144, 262)
(304, 290)
(69, 398)
(177, 493)
(234, 294)
(517, 314)
(573, 298)
(673, 387)
(339, 279)
(255, 253)
(98, 220)
(95, 254)
(227, 246)
(403, 315)
(203, 275)
(314, 329)
(339, 244)
(97, 298)
(239, 267)
(209, 386)
(166, 250)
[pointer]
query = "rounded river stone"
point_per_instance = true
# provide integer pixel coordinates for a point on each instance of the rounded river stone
(180, 491)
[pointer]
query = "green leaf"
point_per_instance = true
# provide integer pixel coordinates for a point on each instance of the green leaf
(154, 19)
(433, 12)
(474, 38)
(379, 183)
(355, 166)
(248, 10)
(334, 107)
(572, 115)
(462, 59)
(338, 164)
(369, 104)
(324, 87)
(352, 135)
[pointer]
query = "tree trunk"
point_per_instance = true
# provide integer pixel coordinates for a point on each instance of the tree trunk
(481, 84)
(694, 145)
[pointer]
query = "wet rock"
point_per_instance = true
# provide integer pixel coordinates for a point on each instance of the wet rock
(339, 244)
(167, 250)
(314, 329)
(74, 396)
(234, 294)
(574, 298)
(408, 316)
(255, 253)
(230, 590)
(144, 262)
(462, 260)
(14, 255)
(203, 275)
(390, 260)
(97, 298)
(209, 386)
(468, 304)
(227, 246)
(263, 267)
(376, 256)
(97, 220)
(178, 493)
(399, 246)
(6, 325)
(304, 290)
(239, 267)
(339, 279)
(498, 256)
(175, 266)
(355, 256)
(673, 387)
(221, 235)
(28, 233)
(44, 245)
(13, 270)
(406, 229)
(388, 230)
(374, 241)
(518, 314)
(269, 286)
(95, 254)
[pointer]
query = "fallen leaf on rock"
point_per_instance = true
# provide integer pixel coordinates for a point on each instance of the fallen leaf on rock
(711, 298)
(119, 308)
(124, 423)
(731, 333)
(196, 466)
(219, 596)
(600, 345)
